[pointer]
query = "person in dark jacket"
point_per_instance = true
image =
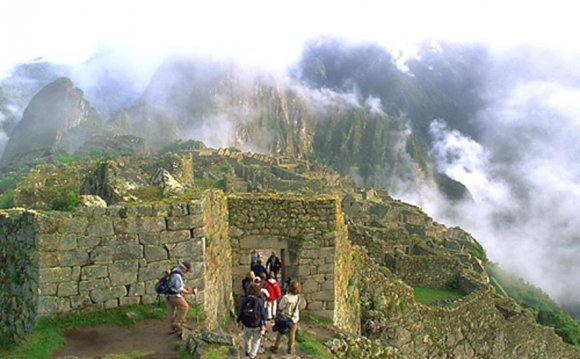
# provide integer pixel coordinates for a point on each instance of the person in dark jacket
(253, 333)
(258, 269)
(273, 264)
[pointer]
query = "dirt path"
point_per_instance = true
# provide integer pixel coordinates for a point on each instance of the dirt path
(149, 336)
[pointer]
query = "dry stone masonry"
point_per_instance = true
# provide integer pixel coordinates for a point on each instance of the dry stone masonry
(310, 235)
(102, 258)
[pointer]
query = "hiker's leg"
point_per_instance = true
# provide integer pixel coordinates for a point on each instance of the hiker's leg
(274, 308)
(292, 337)
(278, 340)
(170, 312)
(268, 310)
(247, 339)
(182, 308)
(255, 339)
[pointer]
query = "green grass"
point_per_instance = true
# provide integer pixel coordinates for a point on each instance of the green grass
(311, 346)
(309, 318)
(429, 296)
(47, 335)
(65, 159)
(207, 183)
(7, 199)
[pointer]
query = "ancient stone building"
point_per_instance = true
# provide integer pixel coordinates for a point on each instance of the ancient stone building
(99, 258)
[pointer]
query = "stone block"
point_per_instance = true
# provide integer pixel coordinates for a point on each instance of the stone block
(120, 240)
(107, 294)
(100, 227)
(141, 210)
(184, 222)
(310, 253)
(67, 242)
(178, 209)
(102, 255)
(94, 271)
(324, 295)
(88, 241)
(315, 306)
(75, 225)
(80, 302)
(235, 231)
(328, 285)
(149, 238)
(155, 253)
(310, 286)
(305, 271)
(67, 289)
(123, 272)
(77, 257)
(52, 305)
(326, 268)
(56, 274)
(154, 271)
(139, 225)
(111, 304)
(125, 252)
(48, 289)
(182, 250)
(161, 210)
(136, 289)
(48, 259)
(195, 207)
(88, 285)
(175, 236)
(48, 242)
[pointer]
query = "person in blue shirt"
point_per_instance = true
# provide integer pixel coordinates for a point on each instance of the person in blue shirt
(177, 306)
(252, 317)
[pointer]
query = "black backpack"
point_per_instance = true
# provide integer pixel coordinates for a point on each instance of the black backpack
(251, 313)
(162, 286)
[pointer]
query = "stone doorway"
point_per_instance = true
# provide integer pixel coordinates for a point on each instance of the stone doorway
(265, 245)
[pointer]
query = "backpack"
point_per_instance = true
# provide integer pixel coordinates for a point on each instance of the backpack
(163, 284)
(251, 313)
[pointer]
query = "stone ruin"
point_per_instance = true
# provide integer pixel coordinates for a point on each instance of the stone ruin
(97, 258)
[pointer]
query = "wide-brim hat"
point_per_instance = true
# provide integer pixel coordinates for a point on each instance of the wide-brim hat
(185, 264)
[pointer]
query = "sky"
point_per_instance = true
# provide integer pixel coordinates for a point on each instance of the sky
(266, 33)
(537, 181)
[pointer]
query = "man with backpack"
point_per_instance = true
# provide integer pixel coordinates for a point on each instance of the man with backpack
(177, 306)
(252, 316)
(273, 264)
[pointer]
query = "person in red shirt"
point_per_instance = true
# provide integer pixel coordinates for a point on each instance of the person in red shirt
(275, 293)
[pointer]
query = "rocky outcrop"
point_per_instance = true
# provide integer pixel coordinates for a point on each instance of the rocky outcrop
(128, 179)
(57, 119)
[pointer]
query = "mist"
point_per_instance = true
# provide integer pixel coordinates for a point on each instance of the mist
(522, 171)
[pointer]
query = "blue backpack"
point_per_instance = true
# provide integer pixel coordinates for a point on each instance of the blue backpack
(163, 284)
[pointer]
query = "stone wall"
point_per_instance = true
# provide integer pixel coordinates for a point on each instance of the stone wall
(99, 258)
(18, 273)
(425, 271)
(218, 300)
(308, 230)
(480, 325)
